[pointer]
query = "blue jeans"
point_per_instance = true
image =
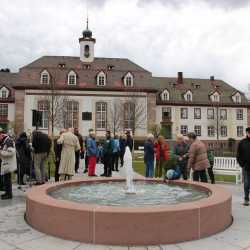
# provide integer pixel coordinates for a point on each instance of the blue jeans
(149, 168)
(246, 179)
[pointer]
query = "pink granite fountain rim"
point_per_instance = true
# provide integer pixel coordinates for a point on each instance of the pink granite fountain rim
(111, 224)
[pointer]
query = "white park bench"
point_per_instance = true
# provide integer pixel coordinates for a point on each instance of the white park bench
(228, 166)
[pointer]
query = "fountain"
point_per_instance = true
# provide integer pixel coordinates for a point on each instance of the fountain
(129, 172)
(115, 211)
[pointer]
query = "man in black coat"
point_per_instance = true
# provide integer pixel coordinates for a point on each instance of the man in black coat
(129, 141)
(243, 158)
(78, 152)
(41, 144)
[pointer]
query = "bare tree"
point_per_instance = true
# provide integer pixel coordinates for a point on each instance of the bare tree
(115, 117)
(56, 106)
(155, 130)
(135, 113)
(217, 122)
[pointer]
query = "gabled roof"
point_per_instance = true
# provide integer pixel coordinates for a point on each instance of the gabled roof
(8, 80)
(99, 63)
(201, 94)
(29, 75)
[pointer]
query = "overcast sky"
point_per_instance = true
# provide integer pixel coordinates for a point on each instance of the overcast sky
(199, 37)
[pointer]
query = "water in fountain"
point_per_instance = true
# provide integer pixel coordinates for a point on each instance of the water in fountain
(129, 172)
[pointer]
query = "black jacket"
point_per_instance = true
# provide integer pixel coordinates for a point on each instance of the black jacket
(130, 143)
(243, 153)
(41, 142)
(23, 154)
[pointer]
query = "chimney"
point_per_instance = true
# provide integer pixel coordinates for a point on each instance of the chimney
(211, 78)
(180, 78)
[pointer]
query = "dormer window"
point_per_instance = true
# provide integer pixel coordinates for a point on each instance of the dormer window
(101, 79)
(188, 96)
(111, 67)
(165, 95)
(45, 77)
(4, 93)
(128, 80)
(215, 97)
(86, 66)
(237, 97)
(71, 78)
(61, 65)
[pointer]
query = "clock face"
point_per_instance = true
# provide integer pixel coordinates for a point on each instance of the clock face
(86, 51)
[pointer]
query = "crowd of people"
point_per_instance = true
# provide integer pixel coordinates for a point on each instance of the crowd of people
(187, 154)
(27, 156)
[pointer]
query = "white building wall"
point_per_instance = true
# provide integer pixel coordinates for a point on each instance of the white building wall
(91, 51)
(231, 123)
(11, 112)
(86, 104)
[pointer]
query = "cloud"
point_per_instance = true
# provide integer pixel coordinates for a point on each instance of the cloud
(226, 4)
(199, 40)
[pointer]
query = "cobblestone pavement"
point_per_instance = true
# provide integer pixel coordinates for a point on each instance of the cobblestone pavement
(15, 234)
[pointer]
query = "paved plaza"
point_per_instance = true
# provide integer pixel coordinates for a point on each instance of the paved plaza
(15, 234)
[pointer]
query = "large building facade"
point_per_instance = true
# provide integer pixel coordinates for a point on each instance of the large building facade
(117, 94)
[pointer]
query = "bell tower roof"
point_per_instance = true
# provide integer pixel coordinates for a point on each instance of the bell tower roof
(87, 33)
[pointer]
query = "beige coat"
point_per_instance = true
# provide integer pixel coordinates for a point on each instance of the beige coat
(198, 156)
(70, 144)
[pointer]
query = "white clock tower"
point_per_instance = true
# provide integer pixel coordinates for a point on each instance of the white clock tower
(87, 44)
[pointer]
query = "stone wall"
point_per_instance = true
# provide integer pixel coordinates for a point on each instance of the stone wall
(19, 111)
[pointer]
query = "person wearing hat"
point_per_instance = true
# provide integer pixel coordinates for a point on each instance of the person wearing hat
(243, 158)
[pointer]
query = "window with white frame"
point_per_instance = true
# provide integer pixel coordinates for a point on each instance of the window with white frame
(223, 131)
(184, 130)
(239, 114)
(237, 98)
(240, 131)
(210, 113)
(43, 106)
(197, 113)
(101, 79)
(197, 130)
(71, 78)
(165, 95)
(128, 80)
(4, 93)
(223, 114)
(211, 131)
(129, 115)
(101, 115)
(188, 96)
(215, 97)
(3, 111)
(184, 113)
(166, 113)
(45, 77)
(71, 109)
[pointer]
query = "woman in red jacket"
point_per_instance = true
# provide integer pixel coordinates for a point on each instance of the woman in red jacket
(161, 154)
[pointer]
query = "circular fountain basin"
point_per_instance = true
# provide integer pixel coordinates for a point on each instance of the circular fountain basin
(99, 211)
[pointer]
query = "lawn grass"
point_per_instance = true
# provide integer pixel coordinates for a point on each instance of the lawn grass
(139, 167)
